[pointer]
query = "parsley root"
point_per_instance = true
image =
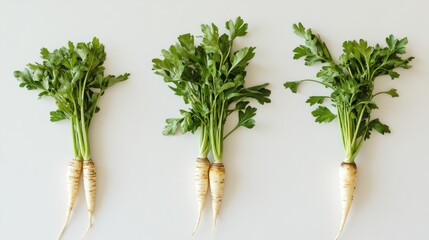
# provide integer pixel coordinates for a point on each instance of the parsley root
(347, 175)
(74, 170)
(90, 187)
(351, 82)
(202, 166)
(217, 183)
(210, 77)
(74, 77)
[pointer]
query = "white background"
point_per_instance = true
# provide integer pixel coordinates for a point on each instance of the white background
(281, 176)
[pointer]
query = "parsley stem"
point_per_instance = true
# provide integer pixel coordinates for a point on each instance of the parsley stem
(78, 130)
(204, 142)
(319, 82)
(75, 146)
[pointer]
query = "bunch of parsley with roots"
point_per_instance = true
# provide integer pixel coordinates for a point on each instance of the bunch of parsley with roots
(351, 81)
(74, 77)
(210, 77)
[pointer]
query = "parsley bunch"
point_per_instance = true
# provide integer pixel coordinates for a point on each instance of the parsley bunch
(210, 77)
(74, 77)
(351, 81)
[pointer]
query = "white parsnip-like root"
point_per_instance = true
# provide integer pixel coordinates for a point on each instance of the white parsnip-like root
(347, 174)
(217, 183)
(90, 186)
(74, 170)
(202, 166)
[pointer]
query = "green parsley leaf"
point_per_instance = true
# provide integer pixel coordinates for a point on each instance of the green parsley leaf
(323, 115)
(172, 124)
(316, 100)
(379, 126)
(293, 86)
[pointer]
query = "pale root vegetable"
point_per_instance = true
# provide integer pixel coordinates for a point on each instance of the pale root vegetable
(347, 175)
(202, 166)
(74, 170)
(89, 184)
(74, 77)
(217, 183)
(210, 76)
(351, 82)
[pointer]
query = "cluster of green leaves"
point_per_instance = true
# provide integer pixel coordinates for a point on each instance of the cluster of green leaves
(210, 77)
(352, 83)
(74, 77)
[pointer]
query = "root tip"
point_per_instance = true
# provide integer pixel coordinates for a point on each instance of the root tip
(198, 222)
(61, 233)
(86, 232)
(213, 228)
(65, 225)
(195, 230)
(89, 226)
(213, 231)
(339, 232)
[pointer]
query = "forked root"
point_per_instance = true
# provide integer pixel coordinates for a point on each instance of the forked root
(64, 226)
(87, 229)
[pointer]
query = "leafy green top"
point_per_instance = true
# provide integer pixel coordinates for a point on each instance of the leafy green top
(210, 77)
(74, 78)
(352, 83)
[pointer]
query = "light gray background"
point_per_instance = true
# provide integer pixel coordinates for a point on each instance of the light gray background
(281, 176)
